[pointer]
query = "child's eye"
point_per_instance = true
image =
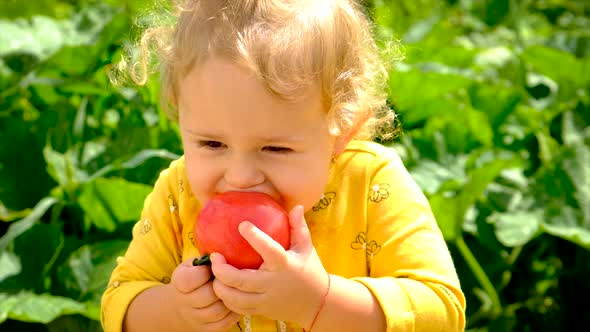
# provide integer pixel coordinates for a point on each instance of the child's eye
(277, 149)
(211, 144)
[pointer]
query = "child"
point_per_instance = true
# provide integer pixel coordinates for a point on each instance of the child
(283, 97)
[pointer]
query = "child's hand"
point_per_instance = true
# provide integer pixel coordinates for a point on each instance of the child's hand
(197, 306)
(288, 286)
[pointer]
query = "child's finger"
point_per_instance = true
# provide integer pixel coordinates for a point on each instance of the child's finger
(272, 253)
(300, 236)
(245, 280)
(186, 277)
(203, 297)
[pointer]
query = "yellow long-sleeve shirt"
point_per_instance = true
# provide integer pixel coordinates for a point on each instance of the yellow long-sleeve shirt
(373, 225)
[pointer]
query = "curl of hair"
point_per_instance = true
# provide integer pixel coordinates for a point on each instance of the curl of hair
(289, 45)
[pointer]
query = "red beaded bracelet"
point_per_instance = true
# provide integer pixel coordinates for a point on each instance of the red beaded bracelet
(321, 305)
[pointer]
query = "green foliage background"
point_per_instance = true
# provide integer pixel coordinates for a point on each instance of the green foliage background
(493, 97)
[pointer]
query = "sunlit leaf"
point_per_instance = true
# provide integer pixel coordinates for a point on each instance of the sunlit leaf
(566, 225)
(544, 59)
(444, 207)
(109, 201)
(577, 166)
(409, 86)
(9, 265)
(576, 235)
(42, 308)
(517, 228)
(64, 168)
(480, 178)
(430, 176)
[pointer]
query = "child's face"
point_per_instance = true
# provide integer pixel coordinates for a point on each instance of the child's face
(237, 136)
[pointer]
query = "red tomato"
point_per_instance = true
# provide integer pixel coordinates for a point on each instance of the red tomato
(216, 229)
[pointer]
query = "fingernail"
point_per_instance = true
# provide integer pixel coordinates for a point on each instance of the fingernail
(245, 226)
(297, 211)
(300, 209)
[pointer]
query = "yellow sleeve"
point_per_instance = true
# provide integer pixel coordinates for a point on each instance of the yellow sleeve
(152, 255)
(412, 274)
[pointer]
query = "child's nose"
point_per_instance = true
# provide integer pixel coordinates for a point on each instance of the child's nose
(242, 173)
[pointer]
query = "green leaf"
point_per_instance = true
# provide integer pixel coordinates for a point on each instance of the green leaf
(88, 269)
(548, 146)
(9, 265)
(496, 101)
(40, 308)
(566, 225)
(134, 161)
(409, 85)
(74, 323)
(517, 228)
(423, 109)
(78, 127)
(495, 57)
(577, 166)
(394, 17)
(444, 208)
(570, 71)
(23, 179)
(481, 177)
(109, 201)
(43, 36)
(38, 248)
(431, 176)
(461, 137)
(64, 167)
(21, 226)
(15, 8)
(572, 132)
(420, 29)
(93, 149)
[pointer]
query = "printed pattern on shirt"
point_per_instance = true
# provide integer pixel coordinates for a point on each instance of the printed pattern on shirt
(180, 186)
(378, 192)
(144, 226)
(361, 242)
(325, 201)
(172, 203)
(191, 238)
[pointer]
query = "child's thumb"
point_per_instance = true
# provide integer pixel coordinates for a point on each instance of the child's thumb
(187, 278)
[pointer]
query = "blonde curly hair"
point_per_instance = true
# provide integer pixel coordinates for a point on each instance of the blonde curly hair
(287, 44)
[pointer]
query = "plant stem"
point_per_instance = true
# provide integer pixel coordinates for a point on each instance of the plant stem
(480, 275)
(202, 261)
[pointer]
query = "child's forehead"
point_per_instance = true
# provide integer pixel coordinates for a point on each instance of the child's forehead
(218, 74)
(221, 100)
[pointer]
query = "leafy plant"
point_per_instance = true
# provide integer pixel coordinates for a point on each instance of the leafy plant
(496, 116)
(77, 160)
(493, 97)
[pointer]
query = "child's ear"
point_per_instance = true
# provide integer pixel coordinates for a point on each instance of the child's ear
(341, 143)
(345, 138)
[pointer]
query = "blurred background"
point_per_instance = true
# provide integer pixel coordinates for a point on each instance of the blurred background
(494, 103)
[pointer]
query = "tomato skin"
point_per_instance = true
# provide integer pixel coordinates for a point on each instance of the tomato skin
(216, 228)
